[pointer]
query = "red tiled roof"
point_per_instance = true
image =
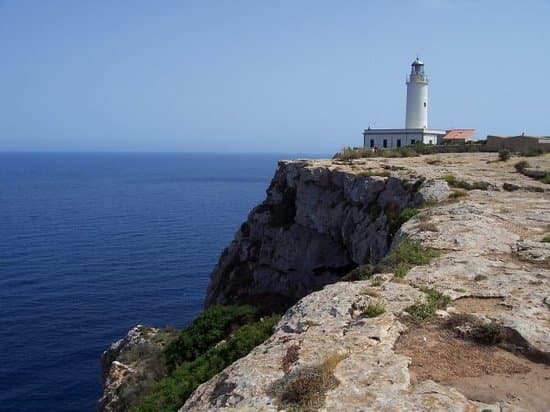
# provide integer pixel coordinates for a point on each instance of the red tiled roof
(459, 134)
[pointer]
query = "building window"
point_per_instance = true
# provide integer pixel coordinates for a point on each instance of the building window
(430, 141)
(385, 143)
(398, 142)
(371, 142)
(413, 141)
(424, 104)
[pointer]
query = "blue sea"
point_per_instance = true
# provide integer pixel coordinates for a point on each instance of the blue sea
(93, 244)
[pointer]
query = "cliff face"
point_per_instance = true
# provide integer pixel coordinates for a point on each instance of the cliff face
(317, 223)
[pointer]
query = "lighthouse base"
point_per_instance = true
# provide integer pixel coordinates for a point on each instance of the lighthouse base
(391, 138)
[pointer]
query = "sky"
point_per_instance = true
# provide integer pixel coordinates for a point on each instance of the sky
(263, 76)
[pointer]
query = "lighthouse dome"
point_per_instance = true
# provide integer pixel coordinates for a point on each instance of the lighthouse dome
(417, 62)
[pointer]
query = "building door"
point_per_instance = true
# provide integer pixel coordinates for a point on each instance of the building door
(371, 142)
(385, 143)
(398, 142)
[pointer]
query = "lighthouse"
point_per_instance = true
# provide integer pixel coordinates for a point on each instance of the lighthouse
(416, 120)
(417, 97)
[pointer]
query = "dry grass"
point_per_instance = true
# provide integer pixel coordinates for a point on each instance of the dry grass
(304, 389)
(370, 292)
(291, 356)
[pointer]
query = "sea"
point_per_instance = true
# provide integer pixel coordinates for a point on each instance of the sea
(93, 244)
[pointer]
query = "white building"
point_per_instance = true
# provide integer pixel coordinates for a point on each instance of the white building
(416, 119)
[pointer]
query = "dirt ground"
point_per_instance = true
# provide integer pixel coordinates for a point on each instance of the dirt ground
(482, 373)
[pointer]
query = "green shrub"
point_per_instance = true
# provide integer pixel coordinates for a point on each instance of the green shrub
(374, 309)
(503, 155)
(405, 255)
(397, 222)
(424, 309)
(546, 179)
(546, 238)
(206, 330)
(172, 392)
(522, 164)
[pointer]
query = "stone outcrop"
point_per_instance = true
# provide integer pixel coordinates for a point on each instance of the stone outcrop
(317, 223)
(130, 366)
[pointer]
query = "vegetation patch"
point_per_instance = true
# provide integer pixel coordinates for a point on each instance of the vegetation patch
(546, 239)
(468, 326)
(374, 308)
(546, 179)
(304, 389)
(206, 330)
(479, 278)
(371, 172)
(521, 165)
(504, 154)
(396, 222)
(172, 392)
(405, 255)
(462, 184)
(425, 309)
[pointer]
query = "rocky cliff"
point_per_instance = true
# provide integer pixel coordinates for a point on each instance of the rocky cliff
(317, 223)
(468, 330)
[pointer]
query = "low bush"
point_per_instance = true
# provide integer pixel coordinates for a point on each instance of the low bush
(503, 155)
(546, 238)
(424, 309)
(462, 184)
(172, 392)
(396, 222)
(522, 164)
(546, 179)
(405, 255)
(374, 309)
(304, 389)
(468, 326)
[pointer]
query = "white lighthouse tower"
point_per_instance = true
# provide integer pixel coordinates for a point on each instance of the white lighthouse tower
(416, 123)
(417, 97)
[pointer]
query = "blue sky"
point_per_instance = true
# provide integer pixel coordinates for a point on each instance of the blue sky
(258, 76)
